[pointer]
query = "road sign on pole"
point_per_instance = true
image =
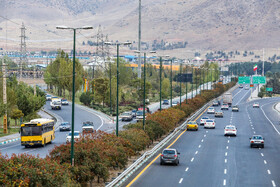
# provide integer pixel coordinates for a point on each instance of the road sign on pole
(259, 80)
(269, 89)
(244, 80)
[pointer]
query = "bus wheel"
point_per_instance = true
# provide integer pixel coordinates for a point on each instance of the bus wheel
(44, 144)
(26, 146)
(51, 139)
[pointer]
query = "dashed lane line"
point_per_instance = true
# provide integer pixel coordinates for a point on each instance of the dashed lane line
(268, 171)
(273, 183)
(262, 154)
(225, 171)
(225, 182)
(226, 154)
(192, 159)
(180, 180)
(225, 160)
(265, 162)
(187, 169)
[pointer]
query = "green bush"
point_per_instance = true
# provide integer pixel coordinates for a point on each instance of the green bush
(86, 98)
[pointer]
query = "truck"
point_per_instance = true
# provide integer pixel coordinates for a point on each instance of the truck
(227, 98)
(56, 104)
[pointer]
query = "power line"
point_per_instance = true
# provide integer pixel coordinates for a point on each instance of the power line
(9, 20)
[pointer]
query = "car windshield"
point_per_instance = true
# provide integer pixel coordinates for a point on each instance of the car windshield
(134, 110)
(64, 124)
(230, 127)
(165, 101)
(204, 118)
(211, 108)
(209, 121)
(169, 152)
(48, 96)
(63, 99)
(87, 124)
(256, 103)
(75, 134)
(257, 137)
(125, 114)
(139, 113)
(192, 122)
(235, 106)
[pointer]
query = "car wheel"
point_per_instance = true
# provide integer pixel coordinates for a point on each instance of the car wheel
(26, 146)
(251, 145)
(262, 146)
(161, 163)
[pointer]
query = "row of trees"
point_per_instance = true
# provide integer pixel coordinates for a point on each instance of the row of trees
(97, 155)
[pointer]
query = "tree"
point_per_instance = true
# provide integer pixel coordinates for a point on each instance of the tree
(165, 88)
(86, 98)
(101, 89)
(16, 114)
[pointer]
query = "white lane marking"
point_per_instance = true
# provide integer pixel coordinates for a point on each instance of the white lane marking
(192, 159)
(268, 171)
(273, 183)
(228, 141)
(9, 147)
(29, 150)
(254, 132)
(180, 180)
(202, 140)
(242, 98)
(269, 119)
(227, 147)
(206, 131)
(199, 146)
(265, 162)
(251, 125)
(225, 182)
(226, 154)
(204, 135)
(196, 152)
(187, 169)
(253, 128)
(237, 93)
(262, 154)
(225, 160)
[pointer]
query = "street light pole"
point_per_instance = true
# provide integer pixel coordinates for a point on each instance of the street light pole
(117, 122)
(160, 72)
(110, 88)
(192, 81)
(187, 87)
(180, 84)
(171, 84)
(144, 97)
(73, 85)
(196, 82)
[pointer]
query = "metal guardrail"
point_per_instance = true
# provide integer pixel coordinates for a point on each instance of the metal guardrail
(148, 154)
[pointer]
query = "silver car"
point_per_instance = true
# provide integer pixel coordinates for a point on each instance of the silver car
(169, 156)
(219, 113)
(126, 116)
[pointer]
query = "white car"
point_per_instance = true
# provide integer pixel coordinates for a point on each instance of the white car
(64, 102)
(210, 123)
(230, 130)
(211, 110)
(88, 127)
(256, 105)
(48, 97)
(224, 107)
(246, 87)
(203, 120)
(175, 103)
(126, 116)
(77, 136)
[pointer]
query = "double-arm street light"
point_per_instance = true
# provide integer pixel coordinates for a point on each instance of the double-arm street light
(144, 90)
(118, 46)
(73, 83)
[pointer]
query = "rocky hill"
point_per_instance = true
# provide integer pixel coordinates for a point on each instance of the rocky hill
(203, 24)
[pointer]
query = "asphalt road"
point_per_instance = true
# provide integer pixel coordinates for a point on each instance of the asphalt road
(209, 159)
(81, 115)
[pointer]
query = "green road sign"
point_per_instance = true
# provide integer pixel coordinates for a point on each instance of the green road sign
(269, 89)
(244, 80)
(259, 80)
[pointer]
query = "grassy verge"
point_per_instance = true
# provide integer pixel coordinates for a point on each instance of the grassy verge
(13, 130)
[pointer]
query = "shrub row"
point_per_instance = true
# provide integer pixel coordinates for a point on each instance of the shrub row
(96, 154)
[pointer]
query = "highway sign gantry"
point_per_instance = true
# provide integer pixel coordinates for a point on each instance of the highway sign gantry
(244, 80)
(259, 80)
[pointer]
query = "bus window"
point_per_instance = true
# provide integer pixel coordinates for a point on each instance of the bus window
(31, 131)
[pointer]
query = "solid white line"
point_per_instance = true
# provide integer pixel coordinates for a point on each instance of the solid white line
(225, 182)
(262, 154)
(265, 162)
(202, 140)
(187, 169)
(9, 147)
(268, 171)
(273, 183)
(226, 154)
(199, 146)
(196, 152)
(225, 160)
(192, 159)
(227, 147)
(269, 120)
(180, 180)
(242, 98)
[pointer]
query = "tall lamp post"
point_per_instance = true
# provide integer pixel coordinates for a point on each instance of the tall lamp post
(171, 83)
(144, 93)
(192, 81)
(180, 85)
(117, 115)
(73, 83)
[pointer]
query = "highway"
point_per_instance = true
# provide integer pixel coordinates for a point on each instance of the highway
(208, 158)
(81, 114)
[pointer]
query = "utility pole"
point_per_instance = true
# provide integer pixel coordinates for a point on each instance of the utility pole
(23, 58)
(160, 72)
(180, 84)
(263, 64)
(192, 81)
(171, 83)
(139, 42)
(5, 125)
(34, 77)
